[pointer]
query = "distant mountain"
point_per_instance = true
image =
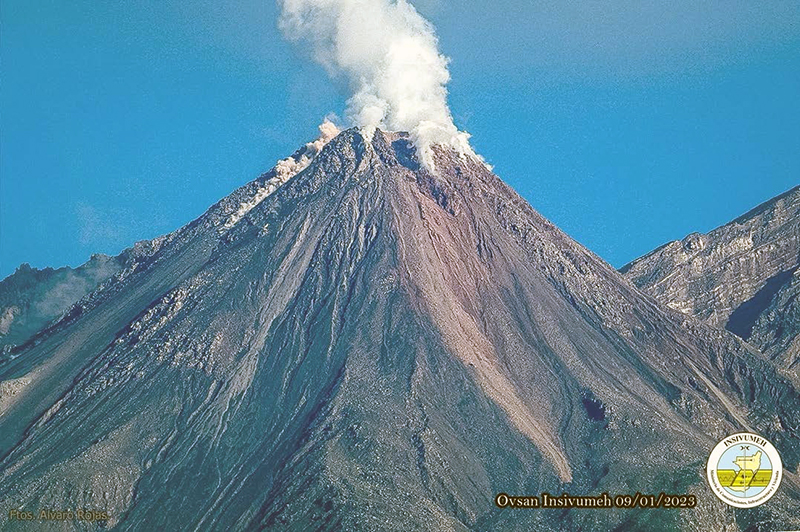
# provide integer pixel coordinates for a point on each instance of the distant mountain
(742, 276)
(361, 344)
(30, 298)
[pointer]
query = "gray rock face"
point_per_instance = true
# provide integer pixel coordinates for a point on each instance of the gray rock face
(742, 276)
(776, 328)
(374, 347)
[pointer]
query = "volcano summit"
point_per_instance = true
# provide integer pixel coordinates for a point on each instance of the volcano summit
(368, 345)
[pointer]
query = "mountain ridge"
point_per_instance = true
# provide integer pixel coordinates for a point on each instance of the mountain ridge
(742, 275)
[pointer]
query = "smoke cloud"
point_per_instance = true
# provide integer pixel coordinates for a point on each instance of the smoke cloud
(285, 169)
(389, 55)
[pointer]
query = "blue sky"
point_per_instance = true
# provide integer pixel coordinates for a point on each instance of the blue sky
(627, 123)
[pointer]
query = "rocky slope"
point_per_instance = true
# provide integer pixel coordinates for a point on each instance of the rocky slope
(775, 330)
(742, 276)
(370, 346)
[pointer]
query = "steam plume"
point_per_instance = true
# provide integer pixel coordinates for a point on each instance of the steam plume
(389, 55)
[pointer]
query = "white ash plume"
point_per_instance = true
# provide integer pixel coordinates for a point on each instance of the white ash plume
(389, 55)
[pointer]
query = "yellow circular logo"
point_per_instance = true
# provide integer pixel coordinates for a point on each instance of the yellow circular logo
(744, 470)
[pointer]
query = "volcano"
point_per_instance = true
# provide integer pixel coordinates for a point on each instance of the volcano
(371, 345)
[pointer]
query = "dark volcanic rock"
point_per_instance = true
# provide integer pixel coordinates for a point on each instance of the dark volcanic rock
(374, 347)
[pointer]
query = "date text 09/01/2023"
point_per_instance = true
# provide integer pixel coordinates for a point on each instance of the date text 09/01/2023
(565, 500)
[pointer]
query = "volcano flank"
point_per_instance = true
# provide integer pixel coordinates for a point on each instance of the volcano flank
(371, 345)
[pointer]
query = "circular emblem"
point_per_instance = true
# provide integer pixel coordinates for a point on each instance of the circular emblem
(744, 470)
